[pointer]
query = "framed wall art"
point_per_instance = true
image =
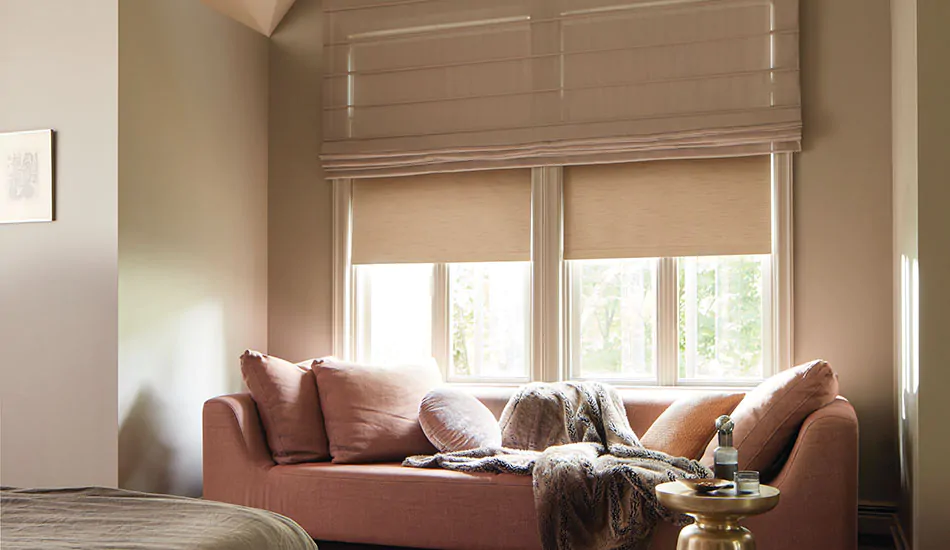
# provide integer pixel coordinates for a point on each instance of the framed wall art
(27, 192)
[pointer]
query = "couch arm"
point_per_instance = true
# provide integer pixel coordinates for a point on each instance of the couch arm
(819, 481)
(235, 453)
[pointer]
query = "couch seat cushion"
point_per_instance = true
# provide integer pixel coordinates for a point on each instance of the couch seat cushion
(399, 506)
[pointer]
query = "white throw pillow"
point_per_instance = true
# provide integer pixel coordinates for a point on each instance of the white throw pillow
(456, 421)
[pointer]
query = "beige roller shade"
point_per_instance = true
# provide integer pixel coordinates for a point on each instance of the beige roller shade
(668, 208)
(426, 86)
(456, 217)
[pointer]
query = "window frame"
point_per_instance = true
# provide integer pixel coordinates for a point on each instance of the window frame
(550, 290)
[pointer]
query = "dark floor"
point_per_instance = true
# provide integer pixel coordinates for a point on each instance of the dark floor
(874, 542)
(343, 546)
(865, 542)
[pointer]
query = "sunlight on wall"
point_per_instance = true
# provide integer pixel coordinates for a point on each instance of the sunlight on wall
(168, 370)
(909, 373)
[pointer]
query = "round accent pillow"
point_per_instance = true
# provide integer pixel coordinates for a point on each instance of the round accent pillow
(456, 421)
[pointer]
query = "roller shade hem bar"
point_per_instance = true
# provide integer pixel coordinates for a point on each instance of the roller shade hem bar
(513, 257)
(667, 252)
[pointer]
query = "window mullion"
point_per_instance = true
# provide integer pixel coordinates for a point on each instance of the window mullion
(441, 344)
(666, 322)
(547, 265)
(691, 307)
(572, 322)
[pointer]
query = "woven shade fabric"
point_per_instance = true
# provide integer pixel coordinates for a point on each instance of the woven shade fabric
(425, 86)
(668, 208)
(458, 217)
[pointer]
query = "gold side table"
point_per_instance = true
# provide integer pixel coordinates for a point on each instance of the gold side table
(717, 515)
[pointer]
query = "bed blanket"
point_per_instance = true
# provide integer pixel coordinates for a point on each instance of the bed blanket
(95, 518)
(593, 480)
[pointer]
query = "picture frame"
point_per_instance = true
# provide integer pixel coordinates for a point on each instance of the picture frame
(27, 177)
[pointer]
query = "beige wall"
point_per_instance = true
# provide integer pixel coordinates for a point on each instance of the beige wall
(300, 245)
(58, 69)
(843, 278)
(932, 510)
(192, 228)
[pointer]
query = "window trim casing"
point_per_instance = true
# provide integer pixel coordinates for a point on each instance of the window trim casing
(344, 295)
(551, 313)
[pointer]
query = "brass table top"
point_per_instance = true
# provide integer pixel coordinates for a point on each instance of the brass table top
(680, 498)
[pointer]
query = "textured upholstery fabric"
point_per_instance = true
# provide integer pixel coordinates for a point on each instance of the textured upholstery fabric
(372, 413)
(769, 416)
(286, 395)
(685, 428)
(390, 505)
(454, 420)
(541, 415)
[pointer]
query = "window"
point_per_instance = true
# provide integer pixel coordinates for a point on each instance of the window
(483, 332)
(613, 323)
(393, 312)
(660, 272)
(441, 268)
(723, 319)
(489, 309)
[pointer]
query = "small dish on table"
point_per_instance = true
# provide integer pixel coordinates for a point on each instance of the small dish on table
(707, 485)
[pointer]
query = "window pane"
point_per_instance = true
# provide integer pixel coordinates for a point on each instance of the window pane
(613, 323)
(488, 312)
(393, 313)
(721, 316)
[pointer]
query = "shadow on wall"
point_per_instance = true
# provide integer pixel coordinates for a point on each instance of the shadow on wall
(172, 359)
(144, 457)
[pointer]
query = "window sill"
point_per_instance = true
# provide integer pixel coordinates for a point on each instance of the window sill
(684, 389)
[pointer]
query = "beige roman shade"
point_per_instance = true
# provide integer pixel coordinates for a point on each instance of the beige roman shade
(694, 207)
(460, 217)
(424, 86)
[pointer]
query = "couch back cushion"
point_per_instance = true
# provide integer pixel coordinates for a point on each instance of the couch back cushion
(372, 413)
(287, 401)
(768, 418)
(686, 426)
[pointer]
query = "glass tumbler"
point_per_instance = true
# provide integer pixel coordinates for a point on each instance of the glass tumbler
(747, 482)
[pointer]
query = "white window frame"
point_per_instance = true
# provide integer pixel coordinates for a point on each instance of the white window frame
(550, 315)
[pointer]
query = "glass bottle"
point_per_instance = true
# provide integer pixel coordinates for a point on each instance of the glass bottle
(725, 457)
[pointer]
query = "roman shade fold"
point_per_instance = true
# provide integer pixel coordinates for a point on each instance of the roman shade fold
(693, 207)
(455, 217)
(423, 86)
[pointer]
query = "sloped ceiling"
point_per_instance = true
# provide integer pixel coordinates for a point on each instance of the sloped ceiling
(261, 15)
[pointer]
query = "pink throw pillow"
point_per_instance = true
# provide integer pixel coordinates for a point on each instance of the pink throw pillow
(768, 418)
(686, 426)
(456, 421)
(287, 400)
(372, 413)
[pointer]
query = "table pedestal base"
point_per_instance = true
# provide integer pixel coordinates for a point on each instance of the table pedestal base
(709, 533)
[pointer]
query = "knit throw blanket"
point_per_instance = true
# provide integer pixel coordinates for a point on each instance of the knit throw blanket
(593, 480)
